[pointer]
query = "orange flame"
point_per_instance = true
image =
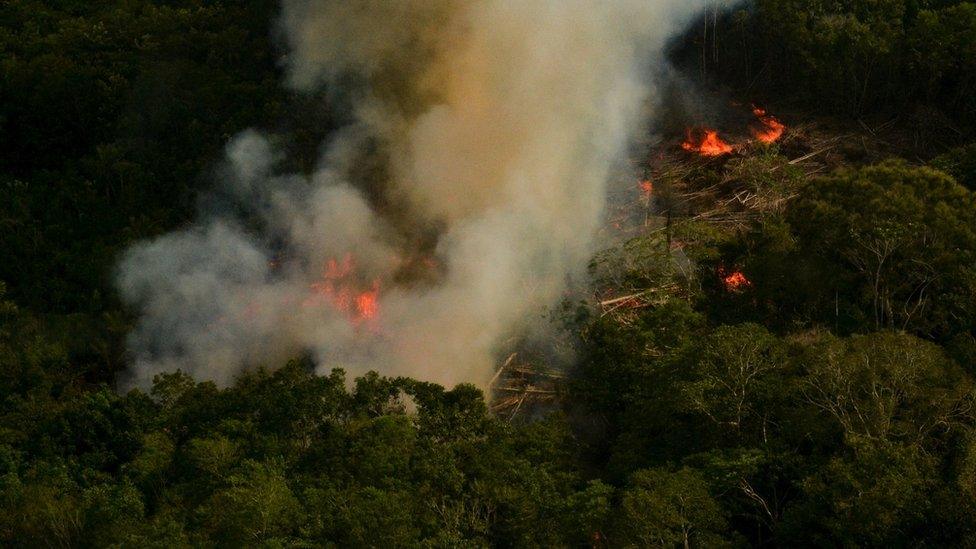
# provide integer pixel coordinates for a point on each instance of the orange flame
(734, 281)
(367, 303)
(646, 188)
(342, 294)
(772, 128)
(709, 145)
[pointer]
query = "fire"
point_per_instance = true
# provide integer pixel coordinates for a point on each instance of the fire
(772, 128)
(646, 188)
(367, 303)
(709, 145)
(338, 287)
(734, 281)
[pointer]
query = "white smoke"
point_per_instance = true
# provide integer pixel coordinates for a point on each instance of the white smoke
(497, 122)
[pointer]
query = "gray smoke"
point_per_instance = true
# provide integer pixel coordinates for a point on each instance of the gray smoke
(496, 123)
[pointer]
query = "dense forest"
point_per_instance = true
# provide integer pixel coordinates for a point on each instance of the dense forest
(822, 395)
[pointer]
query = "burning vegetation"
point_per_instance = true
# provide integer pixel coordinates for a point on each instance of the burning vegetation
(646, 188)
(772, 129)
(756, 358)
(693, 202)
(734, 280)
(339, 287)
(471, 132)
(706, 142)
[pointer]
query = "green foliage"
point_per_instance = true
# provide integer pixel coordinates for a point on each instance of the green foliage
(289, 457)
(876, 416)
(366, 517)
(874, 496)
(886, 246)
(661, 508)
(852, 57)
(765, 172)
(943, 55)
(628, 356)
(828, 403)
(907, 238)
(728, 376)
(110, 112)
(788, 433)
(256, 506)
(887, 387)
(960, 163)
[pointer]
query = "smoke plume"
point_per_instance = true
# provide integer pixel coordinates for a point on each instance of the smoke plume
(489, 127)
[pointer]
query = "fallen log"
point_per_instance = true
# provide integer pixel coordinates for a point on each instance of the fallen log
(527, 390)
(508, 361)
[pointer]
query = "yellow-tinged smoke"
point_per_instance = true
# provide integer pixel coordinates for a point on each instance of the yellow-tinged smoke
(497, 123)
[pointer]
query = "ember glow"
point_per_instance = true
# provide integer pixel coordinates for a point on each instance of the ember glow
(367, 303)
(339, 289)
(772, 129)
(496, 128)
(706, 143)
(734, 281)
(646, 188)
